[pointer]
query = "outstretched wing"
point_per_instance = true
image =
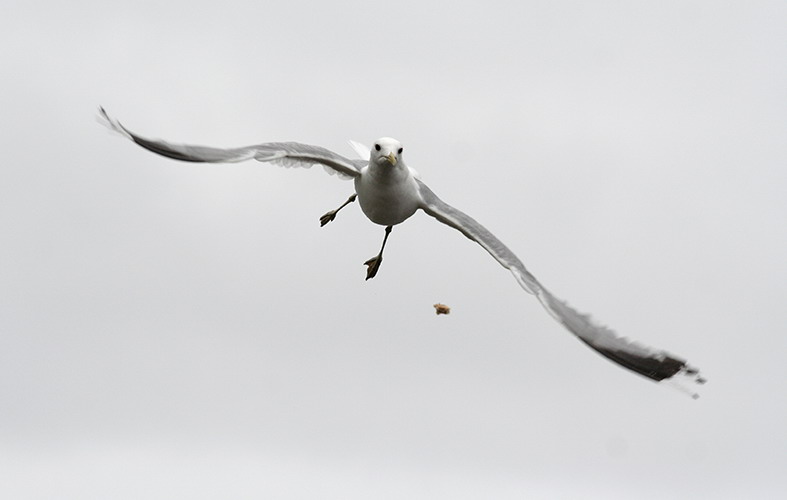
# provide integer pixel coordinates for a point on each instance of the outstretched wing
(652, 363)
(286, 154)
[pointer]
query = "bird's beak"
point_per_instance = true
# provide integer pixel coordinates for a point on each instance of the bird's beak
(391, 158)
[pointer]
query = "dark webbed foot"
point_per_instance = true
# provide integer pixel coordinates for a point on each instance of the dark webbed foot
(372, 266)
(328, 217)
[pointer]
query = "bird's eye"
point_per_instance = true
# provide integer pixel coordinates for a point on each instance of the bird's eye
(400, 150)
(377, 147)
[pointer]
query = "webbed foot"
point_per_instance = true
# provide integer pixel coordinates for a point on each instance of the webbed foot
(373, 265)
(332, 214)
(327, 217)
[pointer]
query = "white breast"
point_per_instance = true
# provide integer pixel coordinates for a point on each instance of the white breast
(388, 196)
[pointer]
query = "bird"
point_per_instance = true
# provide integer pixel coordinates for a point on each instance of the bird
(389, 192)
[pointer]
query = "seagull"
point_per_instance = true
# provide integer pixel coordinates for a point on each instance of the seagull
(389, 192)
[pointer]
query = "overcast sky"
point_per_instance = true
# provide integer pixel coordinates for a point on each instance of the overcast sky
(180, 331)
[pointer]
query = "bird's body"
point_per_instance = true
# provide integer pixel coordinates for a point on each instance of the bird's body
(389, 193)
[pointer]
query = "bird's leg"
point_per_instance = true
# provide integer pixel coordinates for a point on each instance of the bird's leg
(373, 264)
(332, 214)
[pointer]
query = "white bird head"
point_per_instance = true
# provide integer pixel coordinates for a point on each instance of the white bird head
(386, 151)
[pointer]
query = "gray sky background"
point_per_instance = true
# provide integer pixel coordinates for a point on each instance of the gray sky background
(182, 331)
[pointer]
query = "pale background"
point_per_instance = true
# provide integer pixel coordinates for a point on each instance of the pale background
(178, 331)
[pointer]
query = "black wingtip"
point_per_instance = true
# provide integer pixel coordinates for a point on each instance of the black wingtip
(164, 149)
(663, 368)
(653, 368)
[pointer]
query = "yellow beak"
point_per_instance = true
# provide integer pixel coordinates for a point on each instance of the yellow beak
(391, 158)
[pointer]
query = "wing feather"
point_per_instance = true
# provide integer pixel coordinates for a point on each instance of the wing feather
(285, 154)
(652, 363)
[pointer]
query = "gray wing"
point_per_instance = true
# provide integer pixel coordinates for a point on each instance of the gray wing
(286, 154)
(652, 363)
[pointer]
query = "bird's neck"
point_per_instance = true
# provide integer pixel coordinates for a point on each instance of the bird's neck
(388, 173)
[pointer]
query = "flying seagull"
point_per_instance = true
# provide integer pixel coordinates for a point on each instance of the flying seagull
(389, 192)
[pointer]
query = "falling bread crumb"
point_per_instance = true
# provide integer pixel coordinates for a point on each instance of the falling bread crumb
(441, 309)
